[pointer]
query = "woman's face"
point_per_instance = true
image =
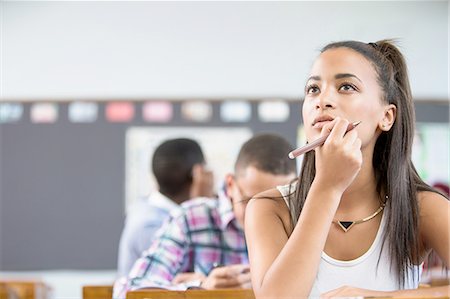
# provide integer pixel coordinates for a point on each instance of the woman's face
(343, 83)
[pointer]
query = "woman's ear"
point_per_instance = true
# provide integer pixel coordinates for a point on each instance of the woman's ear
(390, 113)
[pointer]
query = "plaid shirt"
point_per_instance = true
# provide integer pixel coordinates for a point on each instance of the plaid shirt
(204, 233)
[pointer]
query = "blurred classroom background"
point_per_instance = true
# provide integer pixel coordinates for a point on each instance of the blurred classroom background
(89, 89)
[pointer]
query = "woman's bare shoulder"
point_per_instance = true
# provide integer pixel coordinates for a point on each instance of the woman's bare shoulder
(431, 201)
(433, 209)
(269, 198)
(271, 202)
(433, 224)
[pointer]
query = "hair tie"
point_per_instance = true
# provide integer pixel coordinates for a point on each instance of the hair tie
(374, 45)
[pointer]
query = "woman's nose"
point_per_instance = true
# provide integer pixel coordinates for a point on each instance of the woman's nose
(325, 101)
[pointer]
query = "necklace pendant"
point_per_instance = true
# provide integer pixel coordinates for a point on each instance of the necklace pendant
(346, 225)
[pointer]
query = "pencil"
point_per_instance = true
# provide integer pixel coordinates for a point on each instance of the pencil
(318, 142)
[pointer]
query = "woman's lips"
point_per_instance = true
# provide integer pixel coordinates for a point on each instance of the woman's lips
(321, 120)
(320, 124)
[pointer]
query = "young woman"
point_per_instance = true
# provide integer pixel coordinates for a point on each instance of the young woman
(358, 220)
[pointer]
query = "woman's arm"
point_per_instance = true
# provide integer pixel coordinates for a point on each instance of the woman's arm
(282, 266)
(287, 267)
(434, 292)
(435, 224)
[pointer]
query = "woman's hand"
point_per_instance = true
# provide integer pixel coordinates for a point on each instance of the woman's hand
(339, 159)
(347, 291)
(428, 292)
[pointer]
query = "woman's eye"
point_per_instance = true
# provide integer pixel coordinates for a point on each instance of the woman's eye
(312, 89)
(348, 87)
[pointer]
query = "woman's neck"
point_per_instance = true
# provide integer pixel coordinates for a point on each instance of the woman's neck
(361, 197)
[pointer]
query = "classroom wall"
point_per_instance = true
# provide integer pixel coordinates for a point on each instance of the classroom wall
(142, 49)
(58, 211)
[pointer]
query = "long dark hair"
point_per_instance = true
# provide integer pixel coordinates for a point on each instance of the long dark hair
(395, 174)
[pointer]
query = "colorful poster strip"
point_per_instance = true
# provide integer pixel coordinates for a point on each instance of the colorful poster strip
(45, 113)
(273, 111)
(83, 112)
(10, 112)
(235, 111)
(157, 112)
(119, 112)
(197, 111)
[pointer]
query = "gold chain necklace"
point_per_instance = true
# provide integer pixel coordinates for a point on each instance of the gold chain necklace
(347, 225)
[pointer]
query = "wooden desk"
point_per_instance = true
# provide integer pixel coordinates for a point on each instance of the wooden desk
(416, 297)
(6, 292)
(192, 294)
(27, 289)
(156, 294)
(219, 294)
(97, 292)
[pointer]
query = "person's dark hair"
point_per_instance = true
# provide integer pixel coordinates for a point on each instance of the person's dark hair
(172, 165)
(268, 153)
(395, 174)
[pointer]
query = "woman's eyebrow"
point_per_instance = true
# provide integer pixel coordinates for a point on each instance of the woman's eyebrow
(315, 78)
(337, 76)
(346, 75)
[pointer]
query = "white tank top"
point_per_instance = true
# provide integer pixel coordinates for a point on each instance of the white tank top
(363, 272)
